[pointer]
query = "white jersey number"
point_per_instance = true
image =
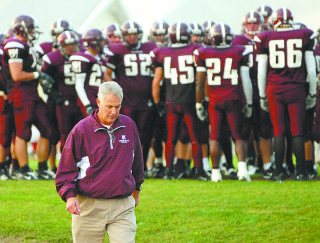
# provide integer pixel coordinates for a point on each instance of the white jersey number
(214, 71)
(185, 65)
(282, 55)
(69, 76)
(132, 67)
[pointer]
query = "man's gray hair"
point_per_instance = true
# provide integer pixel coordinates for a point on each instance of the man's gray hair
(110, 87)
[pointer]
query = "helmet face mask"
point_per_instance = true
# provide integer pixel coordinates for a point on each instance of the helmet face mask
(252, 23)
(198, 34)
(68, 43)
(58, 27)
(160, 33)
(93, 39)
(132, 34)
(113, 33)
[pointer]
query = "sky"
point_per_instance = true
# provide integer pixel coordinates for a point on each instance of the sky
(145, 12)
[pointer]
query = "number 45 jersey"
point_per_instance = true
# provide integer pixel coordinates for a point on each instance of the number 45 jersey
(286, 64)
(132, 68)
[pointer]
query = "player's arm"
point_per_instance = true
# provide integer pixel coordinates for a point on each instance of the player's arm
(158, 75)
(247, 84)
(107, 76)
(200, 85)
(311, 70)
(17, 73)
(262, 74)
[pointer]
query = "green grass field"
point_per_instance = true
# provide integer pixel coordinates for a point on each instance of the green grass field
(176, 211)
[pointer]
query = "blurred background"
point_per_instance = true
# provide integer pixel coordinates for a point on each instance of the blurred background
(86, 14)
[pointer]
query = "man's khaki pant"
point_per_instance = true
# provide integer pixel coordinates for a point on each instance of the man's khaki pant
(116, 216)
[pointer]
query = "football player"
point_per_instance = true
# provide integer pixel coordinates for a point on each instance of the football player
(198, 34)
(131, 64)
(159, 34)
(285, 59)
(175, 66)
(20, 69)
(230, 93)
(90, 69)
(57, 64)
(259, 127)
(207, 25)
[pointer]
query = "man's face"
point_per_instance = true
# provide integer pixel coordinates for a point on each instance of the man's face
(109, 108)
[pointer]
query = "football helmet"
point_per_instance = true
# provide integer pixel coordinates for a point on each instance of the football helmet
(207, 25)
(159, 32)
(180, 32)
(198, 33)
(93, 39)
(2, 39)
(300, 26)
(252, 23)
(131, 33)
(68, 43)
(220, 35)
(25, 26)
(282, 17)
(58, 27)
(266, 11)
(113, 33)
(8, 33)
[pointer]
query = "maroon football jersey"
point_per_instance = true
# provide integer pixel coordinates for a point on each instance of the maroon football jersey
(285, 50)
(59, 68)
(179, 72)
(222, 65)
(19, 51)
(133, 72)
(2, 82)
(92, 69)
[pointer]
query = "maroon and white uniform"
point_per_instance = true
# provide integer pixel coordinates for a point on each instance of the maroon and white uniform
(69, 113)
(132, 69)
(260, 120)
(43, 48)
(177, 63)
(28, 106)
(226, 91)
(286, 73)
(90, 71)
(7, 126)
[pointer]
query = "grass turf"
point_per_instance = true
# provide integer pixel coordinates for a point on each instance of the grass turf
(176, 211)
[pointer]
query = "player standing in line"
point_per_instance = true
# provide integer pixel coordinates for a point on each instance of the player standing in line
(230, 93)
(259, 127)
(285, 59)
(57, 64)
(175, 65)
(89, 67)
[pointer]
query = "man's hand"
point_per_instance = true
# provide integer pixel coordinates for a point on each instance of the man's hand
(136, 196)
(161, 109)
(311, 101)
(202, 113)
(264, 104)
(247, 111)
(73, 205)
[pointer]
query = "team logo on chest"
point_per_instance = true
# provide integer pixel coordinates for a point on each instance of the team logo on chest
(124, 139)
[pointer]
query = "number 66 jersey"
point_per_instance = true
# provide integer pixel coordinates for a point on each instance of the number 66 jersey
(286, 64)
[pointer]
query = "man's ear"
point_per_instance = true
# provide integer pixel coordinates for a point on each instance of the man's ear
(98, 102)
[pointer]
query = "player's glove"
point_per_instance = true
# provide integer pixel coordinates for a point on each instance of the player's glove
(56, 96)
(311, 101)
(264, 104)
(46, 82)
(247, 111)
(161, 108)
(89, 109)
(202, 113)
